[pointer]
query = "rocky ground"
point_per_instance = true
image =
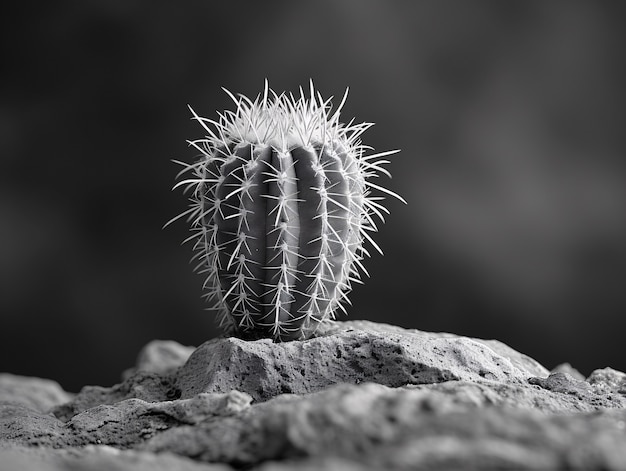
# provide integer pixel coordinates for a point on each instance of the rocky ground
(359, 396)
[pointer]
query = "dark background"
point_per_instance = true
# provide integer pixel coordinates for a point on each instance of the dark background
(510, 117)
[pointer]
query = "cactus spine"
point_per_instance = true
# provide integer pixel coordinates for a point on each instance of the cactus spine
(280, 206)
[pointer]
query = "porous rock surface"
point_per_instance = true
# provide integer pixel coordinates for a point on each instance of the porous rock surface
(358, 396)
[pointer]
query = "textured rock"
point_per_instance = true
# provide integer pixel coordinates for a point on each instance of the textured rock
(371, 423)
(140, 385)
(354, 353)
(359, 396)
(36, 393)
(123, 424)
(519, 360)
(97, 458)
(569, 369)
(160, 356)
(131, 421)
(22, 425)
(608, 380)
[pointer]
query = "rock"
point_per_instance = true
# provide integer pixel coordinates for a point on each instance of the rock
(351, 354)
(36, 393)
(22, 425)
(569, 369)
(132, 421)
(608, 380)
(373, 424)
(358, 396)
(160, 356)
(97, 458)
(584, 393)
(151, 387)
(519, 360)
(315, 464)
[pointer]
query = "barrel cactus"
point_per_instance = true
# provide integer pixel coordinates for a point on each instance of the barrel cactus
(281, 204)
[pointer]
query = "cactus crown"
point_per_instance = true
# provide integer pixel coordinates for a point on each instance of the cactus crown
(281, 204)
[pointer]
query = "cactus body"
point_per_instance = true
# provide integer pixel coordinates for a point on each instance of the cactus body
(280, 209)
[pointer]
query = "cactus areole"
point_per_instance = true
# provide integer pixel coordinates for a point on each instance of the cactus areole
(281, 204)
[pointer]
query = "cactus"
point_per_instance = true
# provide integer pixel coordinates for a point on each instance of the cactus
(280, 206)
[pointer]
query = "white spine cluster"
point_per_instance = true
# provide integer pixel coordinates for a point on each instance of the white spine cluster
(281, 204)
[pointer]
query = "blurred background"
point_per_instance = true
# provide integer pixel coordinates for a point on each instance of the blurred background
(510, 117)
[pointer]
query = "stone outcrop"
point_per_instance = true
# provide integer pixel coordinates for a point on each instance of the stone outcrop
(358, 396)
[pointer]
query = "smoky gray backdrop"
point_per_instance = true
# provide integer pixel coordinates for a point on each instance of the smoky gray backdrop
(510, 117)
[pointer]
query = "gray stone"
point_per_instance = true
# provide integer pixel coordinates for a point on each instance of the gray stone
(96, 458)
(316, 464)
(569, 369)
(152, 387)
(160, 356)
(22, 425)
(585, 394)
(376, 425)
(131, 421)
(348, 353)
(123, 424)
(358, 396)
(608, 380)
(519, 360)
(37, 393)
